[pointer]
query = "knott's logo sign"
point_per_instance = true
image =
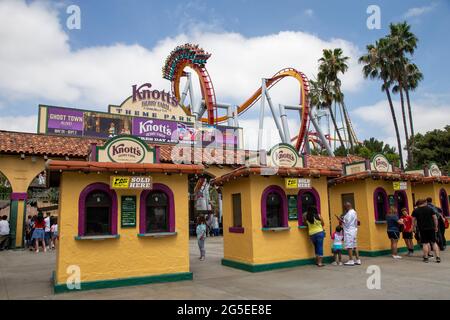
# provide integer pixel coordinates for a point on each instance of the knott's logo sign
(433, 170)
(126, 149)
(380, 163)
(284, 155)
(147, 102)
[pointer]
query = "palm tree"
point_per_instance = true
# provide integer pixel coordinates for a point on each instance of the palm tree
(330, 65)
(321, 96)
(377, 64)
(413, 77)
(401, 41)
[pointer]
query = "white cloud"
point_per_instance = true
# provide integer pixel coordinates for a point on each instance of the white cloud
(38, 63)
(19, 123)
(376, 120)
(418, 11)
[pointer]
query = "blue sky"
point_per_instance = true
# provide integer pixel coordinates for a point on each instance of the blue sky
(124, 41)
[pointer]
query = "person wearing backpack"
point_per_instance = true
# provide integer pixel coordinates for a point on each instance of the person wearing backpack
(393, 230)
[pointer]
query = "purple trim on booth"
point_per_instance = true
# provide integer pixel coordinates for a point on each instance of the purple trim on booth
(386, 200)
(236, 229)
(157, 154)
(143, 208)
(282, 194)
(93, 155)
(396, 200)
(16, 196)
(444, 206)
(82, 206)
(299, 203)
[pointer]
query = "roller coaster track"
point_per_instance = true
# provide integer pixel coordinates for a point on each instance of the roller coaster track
(192, 56)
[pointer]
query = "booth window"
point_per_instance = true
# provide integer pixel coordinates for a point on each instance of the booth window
(97, 211)
(307, 198)
(347, 197)
(274, 208)
(157, 210)
(444, 202)
(237, 210)
(380, 204)
(401, 201)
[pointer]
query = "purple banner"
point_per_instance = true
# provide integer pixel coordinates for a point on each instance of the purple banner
(219, 137)
(64, 121)
(155, 130)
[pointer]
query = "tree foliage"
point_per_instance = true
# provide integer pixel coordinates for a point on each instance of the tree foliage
(369, 148)
(433, 146)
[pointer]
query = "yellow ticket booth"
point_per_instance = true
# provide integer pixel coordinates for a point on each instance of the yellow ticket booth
(120, 221)
(262, 211)
(434, 185)
(372, 187)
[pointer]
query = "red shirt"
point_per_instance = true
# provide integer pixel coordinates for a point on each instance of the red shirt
(407, 220)
(39, 225)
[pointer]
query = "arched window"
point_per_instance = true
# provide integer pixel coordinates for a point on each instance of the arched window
(274, 208)
(401, 201)
(157, 210)
(380, 202)
(97, 209)
(307, 198)
(443, 198)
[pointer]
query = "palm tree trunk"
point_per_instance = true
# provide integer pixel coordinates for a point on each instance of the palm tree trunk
(405, 125)
(333, 118)
(394, 119)
(348, 125)
(411, 126)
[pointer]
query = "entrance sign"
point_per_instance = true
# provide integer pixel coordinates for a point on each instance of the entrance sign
(131, 182)
(433, 170)
(151, 103)
(126, 149)
(380, 163)
(128, 211)
(284, 155)
(400, 185)
(292, 207)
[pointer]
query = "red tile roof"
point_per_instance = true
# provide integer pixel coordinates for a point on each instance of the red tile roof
(325, 162)
(392, 176)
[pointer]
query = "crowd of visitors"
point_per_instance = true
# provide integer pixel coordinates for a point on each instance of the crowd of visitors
(41, 231)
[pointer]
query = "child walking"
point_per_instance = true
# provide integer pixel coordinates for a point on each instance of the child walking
(201, 235)
(338, 239)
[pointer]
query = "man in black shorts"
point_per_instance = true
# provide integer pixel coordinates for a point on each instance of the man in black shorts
(426, 223)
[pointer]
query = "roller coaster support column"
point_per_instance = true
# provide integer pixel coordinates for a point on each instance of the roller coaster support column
(261, 115)
(235, 116)
(284, 122)
(321, 135)
(275, 118)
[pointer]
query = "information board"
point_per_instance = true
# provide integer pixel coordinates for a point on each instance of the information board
(128, 211)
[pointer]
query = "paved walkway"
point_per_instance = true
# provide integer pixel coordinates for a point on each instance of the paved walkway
(26, 275)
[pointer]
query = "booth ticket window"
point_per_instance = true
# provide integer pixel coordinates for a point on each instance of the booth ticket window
(157, 212)
(237, 210)
(273, 210)
(381, 204)
(98, 214)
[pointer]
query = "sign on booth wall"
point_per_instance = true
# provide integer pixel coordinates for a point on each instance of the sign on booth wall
(131, 182)
(297, 183)
(126, 149)
(400, 185)
(128, 211)
(292, 207)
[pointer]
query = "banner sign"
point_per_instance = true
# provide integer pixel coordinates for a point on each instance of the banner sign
(155, 130)
(131, 182)
(65, 121)
(400, 185)
(128, 211)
